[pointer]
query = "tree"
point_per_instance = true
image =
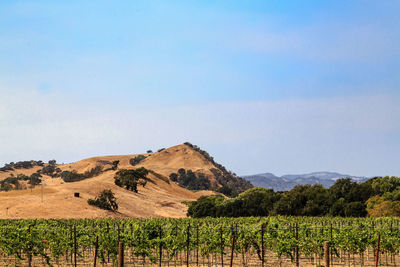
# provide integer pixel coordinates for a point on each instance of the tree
(34, 179)
(105, 200)
(257, 201)
(131, 178)
(204, 206)
(355, 209)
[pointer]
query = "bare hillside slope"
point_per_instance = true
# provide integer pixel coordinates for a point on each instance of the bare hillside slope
(159, 198)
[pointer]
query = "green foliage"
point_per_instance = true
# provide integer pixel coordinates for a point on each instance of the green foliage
(74, 176)
(173, 177)
(6, 167)
(190, 180)
(205, 207)
(136, 160)
(105, 200)
(34, 179)
(93, 172)
(376, 197)
(130, 179)
(49, 170)
(355, 209)
(14, 183)
(52, 240)
(21, 165)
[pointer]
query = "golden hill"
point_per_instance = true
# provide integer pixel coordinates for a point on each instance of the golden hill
(159, 198)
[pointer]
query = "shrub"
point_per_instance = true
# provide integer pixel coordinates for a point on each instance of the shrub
(134, 161)
(173, 177)
(115, 165)
(73, 176)
(93, 172)
(105, 200)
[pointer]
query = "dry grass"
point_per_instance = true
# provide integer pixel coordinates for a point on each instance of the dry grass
(55, 199)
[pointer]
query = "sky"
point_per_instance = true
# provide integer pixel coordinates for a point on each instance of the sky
(263, 86)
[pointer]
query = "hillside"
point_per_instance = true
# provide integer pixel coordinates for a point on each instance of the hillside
(161, 197)
(287, 182)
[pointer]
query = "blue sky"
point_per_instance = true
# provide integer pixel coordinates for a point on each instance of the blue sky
(279, 86)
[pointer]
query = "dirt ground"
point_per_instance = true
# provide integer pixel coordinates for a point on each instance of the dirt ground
(239, 260)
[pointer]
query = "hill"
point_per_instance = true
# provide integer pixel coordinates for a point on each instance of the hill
(161, 197)
(287, 182)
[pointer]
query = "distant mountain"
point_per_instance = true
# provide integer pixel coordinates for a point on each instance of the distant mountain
(288, 181)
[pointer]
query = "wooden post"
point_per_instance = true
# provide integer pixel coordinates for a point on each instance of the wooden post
(160, 247)
(330, 251)
(96, 249)
(29, 251)
(188, 245)
(197, 245)
(120, 254)
(233, 247)
(75, 246)
(262, 245)
(222, 247)
(326, 253)
(297, 246)
(378, 250)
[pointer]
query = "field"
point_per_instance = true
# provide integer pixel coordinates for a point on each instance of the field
(280, 241)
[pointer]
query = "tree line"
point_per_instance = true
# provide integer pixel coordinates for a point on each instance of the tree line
(379, 196)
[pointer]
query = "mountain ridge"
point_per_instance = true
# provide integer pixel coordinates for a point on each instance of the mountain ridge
(288, 181)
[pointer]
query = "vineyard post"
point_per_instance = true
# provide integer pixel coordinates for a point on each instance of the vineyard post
(120, 254)
(377, 250)
(29, 250)
(330, 252)
(326, 253)
(233, 246)
(197, 245)
(297, 245)
(221, 246)
(72, 240)
(75, 246)
(96, 248)
(160, 246)
(262, 244)
(108, 252)
(188, 245)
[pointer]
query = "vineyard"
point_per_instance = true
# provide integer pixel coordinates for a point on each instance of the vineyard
(267, 241)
